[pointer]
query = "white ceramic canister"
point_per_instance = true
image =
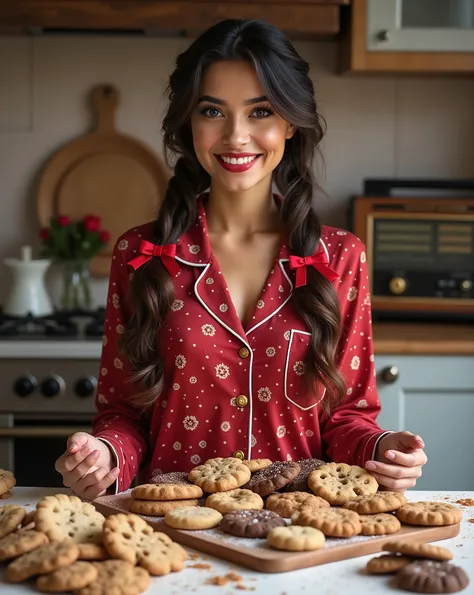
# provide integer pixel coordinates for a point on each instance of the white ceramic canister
(28, 292)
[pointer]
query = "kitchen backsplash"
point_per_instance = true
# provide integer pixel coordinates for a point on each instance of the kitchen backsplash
(376, 125)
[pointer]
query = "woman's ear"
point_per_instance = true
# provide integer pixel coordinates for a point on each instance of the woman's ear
(290, 131)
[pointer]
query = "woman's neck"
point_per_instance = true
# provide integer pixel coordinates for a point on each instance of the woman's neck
(242, 214)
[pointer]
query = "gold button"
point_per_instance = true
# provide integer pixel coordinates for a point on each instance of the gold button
(239, 454)
(242, 401)
(244, 352)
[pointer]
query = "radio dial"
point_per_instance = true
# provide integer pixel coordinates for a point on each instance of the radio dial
(466, 285)
(398, 285)
(25, 385)
(52, 386)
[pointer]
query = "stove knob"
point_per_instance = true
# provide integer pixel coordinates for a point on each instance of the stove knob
(86, 386)
(52, 386)
(25, 385)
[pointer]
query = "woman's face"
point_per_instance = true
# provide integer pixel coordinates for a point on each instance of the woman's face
(238, 138)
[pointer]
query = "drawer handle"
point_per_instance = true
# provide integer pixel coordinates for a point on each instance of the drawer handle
(389, 374)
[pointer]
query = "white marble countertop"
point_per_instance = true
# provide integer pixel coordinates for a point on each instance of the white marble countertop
(336, 578)
(67, 348)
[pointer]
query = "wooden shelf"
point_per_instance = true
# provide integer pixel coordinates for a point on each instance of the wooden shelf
(423, 339)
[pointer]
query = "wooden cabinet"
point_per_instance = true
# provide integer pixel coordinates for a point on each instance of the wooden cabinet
(432, 396)
(410, 36)
(305, 19)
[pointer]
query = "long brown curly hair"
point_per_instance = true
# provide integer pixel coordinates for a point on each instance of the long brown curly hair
(285, 79)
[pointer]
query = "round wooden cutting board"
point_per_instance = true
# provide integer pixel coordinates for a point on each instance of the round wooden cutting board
(103, 173)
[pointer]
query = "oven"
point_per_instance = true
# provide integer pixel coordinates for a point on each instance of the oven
(43, 401)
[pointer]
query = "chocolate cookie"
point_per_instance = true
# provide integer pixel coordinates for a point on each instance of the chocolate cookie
(176, 478)
(429, 576)
(300, 482)
(251, 523)
(272, 478)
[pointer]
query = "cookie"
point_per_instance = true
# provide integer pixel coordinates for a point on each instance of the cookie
(129, 538)
(300, 482)
(375, 503)
(220, 474)
(21, 542)
(117, 577)
(429, 513)
(10, 517)
(257, 464)
(418, 550)
(338, 483)
(237, 499)
(296, 539)
(150, 508)
(288, 503)
(166, 491)
(67, 517)
(92, 551)
(42, 560)
(387, 563)
(251, 523)
(272, 478)
(7, 482)
(175, 478)
(75, 576)
(29, 518)
(192, 518)
(379, 524)
(333, 522)
(427, 576)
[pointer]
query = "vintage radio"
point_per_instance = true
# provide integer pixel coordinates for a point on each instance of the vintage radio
(420, 255)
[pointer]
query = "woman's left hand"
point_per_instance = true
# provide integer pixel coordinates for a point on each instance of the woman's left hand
(398, 461)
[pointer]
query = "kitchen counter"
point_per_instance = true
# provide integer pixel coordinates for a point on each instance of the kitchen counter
(389, 338)
(347, 576)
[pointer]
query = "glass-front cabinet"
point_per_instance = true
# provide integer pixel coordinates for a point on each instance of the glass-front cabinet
(420, 25)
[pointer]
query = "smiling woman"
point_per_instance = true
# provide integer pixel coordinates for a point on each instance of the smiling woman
(238, 326)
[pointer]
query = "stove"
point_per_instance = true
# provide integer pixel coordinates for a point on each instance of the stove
(49, 367)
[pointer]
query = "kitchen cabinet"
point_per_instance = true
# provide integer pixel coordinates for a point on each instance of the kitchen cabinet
(302, 18)
(410, 36)
(432, 396)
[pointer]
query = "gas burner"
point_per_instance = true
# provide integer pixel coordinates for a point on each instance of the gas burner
(61, 323)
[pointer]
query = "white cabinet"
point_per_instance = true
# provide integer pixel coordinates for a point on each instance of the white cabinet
(432, 396)
(420, 25)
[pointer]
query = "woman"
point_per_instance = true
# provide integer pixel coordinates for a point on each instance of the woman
(236, 324)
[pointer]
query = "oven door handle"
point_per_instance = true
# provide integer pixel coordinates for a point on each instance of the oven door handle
(42, 431)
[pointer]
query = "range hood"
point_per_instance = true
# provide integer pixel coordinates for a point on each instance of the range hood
(302, 18)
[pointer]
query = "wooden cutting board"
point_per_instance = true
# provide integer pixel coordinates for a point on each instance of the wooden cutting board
(103, 173)
(256, 554)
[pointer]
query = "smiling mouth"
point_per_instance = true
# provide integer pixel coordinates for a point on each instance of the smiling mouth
(237, 164)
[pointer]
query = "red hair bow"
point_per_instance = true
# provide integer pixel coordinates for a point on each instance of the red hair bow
(148, 250)
(318, 261)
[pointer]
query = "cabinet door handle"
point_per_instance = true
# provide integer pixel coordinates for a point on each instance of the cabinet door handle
(390, 374)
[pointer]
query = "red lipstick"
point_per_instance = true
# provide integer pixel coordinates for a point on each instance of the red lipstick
(237, 167)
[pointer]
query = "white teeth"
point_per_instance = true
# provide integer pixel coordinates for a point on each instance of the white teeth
(239, 161)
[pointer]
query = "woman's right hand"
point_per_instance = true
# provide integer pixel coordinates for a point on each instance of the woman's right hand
(87, 466)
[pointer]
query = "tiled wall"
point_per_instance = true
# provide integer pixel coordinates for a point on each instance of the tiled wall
(377, 125)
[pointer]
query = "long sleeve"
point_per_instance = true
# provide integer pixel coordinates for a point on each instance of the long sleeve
(119, 424)
(351, 433)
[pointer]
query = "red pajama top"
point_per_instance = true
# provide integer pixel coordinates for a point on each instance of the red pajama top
(230, 390)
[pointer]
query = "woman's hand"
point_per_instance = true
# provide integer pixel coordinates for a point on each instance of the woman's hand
(398, 461)
(87, 466)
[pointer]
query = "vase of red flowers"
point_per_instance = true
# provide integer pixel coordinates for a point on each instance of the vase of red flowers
(73, 244)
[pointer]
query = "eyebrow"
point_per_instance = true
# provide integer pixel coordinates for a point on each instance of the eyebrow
(218, 101)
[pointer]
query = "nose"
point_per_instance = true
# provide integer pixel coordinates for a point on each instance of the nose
(236, 133)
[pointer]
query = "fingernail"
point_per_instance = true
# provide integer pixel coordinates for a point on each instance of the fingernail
(371, 466)
(95, 453)
(390, 455)
(115, 471)
(72, 447)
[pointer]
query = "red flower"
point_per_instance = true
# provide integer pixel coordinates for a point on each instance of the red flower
(91, 223)
(64, 220)
(104, 236)
(44, 233)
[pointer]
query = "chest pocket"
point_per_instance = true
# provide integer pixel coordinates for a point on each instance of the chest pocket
(295, 387)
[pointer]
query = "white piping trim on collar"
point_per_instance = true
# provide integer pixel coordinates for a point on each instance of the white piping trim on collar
(193, 264)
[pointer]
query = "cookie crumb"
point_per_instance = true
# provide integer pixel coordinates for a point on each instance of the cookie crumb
(194, 556)
(224, 580)
(200, 566)
(233, 576)
(470, 520)
(244, 588)
(465, 501)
